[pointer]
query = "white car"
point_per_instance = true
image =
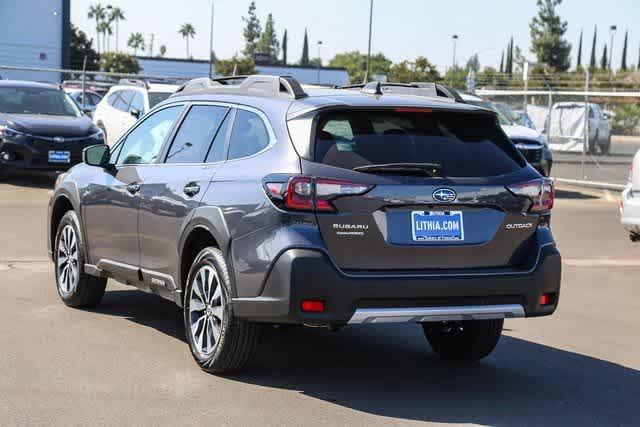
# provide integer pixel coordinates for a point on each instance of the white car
(125, 103)
(630, 202)
(87, 105)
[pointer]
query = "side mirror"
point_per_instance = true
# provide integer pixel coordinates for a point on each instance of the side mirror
(135, 113)
(97, 155)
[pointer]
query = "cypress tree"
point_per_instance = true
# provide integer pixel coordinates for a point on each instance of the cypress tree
(304, 61)
(623, 66)
(284, 47)
(592, 62)
(579, 61)
(502, 63)
(603, 60)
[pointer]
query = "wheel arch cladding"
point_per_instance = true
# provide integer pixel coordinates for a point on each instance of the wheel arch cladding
(61, 206)
(198, 238)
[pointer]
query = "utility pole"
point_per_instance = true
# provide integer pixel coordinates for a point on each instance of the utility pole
(319, 60)
(366, 74)
(454, 39)
(211, 44)
(612, 30)
(151, 37)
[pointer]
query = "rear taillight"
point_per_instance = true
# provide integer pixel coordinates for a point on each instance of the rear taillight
(304, 193)
(539, 191)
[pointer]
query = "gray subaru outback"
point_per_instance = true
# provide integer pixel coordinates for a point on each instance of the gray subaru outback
(254, 200)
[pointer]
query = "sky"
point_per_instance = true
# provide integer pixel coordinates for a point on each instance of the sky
(402, 29)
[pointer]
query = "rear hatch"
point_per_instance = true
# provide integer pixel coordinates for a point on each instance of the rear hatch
(433, 190)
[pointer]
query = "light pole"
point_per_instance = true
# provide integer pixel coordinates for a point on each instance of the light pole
(211, 43)
(319, 60)
(454, 39)
(612, 30)
(366, 74)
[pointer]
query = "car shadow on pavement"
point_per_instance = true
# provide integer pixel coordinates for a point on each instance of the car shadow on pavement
(390, 371)
(572, 194)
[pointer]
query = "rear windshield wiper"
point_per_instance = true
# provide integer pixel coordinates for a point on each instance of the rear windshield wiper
(407, 169)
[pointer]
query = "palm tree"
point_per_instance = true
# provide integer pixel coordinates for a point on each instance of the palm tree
(187, 31)
(105, 29)
(136, 41)
(117, 15)
(97, 12)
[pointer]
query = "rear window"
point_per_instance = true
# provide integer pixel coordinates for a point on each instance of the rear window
(462, 144)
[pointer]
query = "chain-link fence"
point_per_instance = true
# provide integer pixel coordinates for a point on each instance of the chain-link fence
(591, 122)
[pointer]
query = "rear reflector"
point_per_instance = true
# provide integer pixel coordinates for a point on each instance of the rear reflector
(312, 306)
(545, 299)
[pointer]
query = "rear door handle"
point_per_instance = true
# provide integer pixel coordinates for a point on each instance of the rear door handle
(133, 188)
(191, 189)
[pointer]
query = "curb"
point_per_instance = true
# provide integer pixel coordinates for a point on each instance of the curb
(591, 184)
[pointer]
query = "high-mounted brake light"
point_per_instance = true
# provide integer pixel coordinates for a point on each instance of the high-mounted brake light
(304, 193)
(540, 191)
(413, 110)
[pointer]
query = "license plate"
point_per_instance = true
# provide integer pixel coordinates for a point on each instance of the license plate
(437, 226)
(59, 156)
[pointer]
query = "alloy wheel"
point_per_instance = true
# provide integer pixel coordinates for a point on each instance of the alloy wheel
(67, 261)
(206, 311)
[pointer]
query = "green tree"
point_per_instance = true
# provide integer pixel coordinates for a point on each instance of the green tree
(579, 60)
(268, 43)
(603, 59)
(547, 36)
(116, 62)
(241, 65)
(117, 15)
(251, 32)
(98, 13)
(284, 47)
(626, 118)
(473, 64)
(135, 42)
(106, 31)
(420, 70)
(592, 61)
(623, 65)
(304, 60)
(355, 63)
(509, 66)
(187, 31)
(502, 62)
(456, 77)
(79, 48)
(163, 50)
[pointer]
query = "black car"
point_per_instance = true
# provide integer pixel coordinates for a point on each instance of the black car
(265, 203)
(41, 128)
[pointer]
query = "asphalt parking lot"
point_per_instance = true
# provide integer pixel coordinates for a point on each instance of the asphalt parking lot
(127, 363)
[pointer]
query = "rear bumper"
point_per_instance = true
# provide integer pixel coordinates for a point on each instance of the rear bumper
(300, 274)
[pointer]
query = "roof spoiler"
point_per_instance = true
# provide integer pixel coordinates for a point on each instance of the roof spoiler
(253, 85)
(429, 89)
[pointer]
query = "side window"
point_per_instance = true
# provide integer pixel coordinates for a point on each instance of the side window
(137, 103)
(144, 143)
(196, 133)
(216, 152)
(249, 135)
(113, 98)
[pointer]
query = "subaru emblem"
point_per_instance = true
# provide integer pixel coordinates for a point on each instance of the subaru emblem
(58, 139)
(444, 195)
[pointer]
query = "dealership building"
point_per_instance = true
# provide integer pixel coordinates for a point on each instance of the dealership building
(34, 33)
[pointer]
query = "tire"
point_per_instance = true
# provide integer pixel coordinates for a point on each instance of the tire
(75, 287)
(606, 147)
(465, 341)
(591, 149)
(219, 342)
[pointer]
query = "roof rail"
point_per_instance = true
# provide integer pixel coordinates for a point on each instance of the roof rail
(414, 88)
(133, 82)
(253, 85)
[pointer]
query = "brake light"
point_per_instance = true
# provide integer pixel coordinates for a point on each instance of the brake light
(539, 191)
(413, 110)
(304, 193)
